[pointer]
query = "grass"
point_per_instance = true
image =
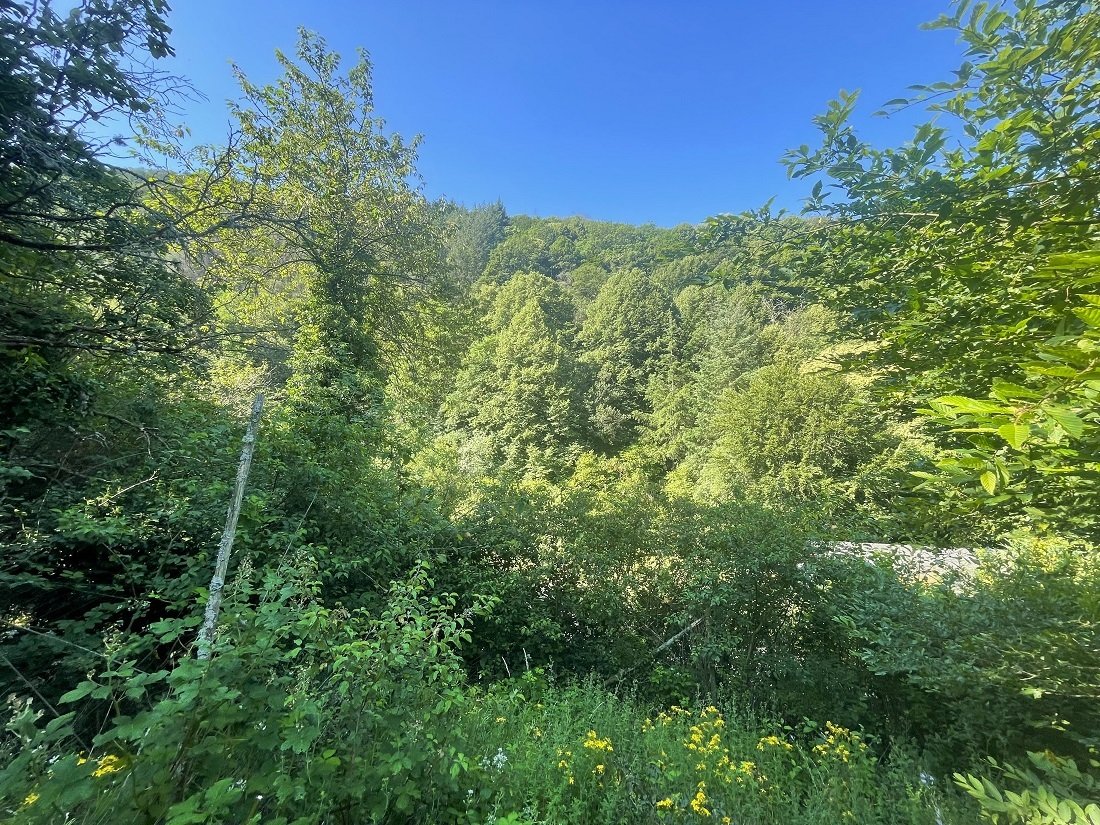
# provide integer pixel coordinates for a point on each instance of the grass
(579, 754)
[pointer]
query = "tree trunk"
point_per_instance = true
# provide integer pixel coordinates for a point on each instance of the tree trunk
(214, 597)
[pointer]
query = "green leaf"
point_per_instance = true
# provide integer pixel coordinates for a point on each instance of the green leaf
(78, 692)
(1014, 434)
(1090, 315)
(989, 481)
(961, 403)
(1068, 420)
(1074, 260)
(1007, 390)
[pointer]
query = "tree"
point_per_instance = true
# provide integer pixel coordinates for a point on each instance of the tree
(97, 327)
(517, 391)
(725, 341)
(471, 234)
(630, 326)
(968, 259)
(524, 287)
(338, 226)
(973, 266)
(785, 436)
(60, 76)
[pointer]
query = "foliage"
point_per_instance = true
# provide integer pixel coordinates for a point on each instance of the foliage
(113, 475)
(650, 451)
(517, 392)
(630, 326)
(787, 434)
(268, 729)
(472, 235)
(335, 262)
(579, 754)
(1008, 648)
(61, 74)
(1051, 790)
(972, 264)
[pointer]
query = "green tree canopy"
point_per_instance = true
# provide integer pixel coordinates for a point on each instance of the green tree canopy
(628, 329)
(970, 256)
(517, 393)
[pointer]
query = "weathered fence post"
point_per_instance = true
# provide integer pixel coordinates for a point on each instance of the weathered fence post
(214, 597)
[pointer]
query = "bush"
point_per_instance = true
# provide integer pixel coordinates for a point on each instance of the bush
(304, 714)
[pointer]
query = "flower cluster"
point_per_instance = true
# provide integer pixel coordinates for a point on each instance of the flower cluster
(664, 719)
(594, 743)
(104, 766)
(107, 765)
(774, 742)
(699, 801)
(840, 743)
(715, 765)
(496, 762)
(564, 765)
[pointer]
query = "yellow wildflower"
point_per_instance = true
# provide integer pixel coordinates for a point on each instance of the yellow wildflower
(31, 798)
(699, 801)
(773, 742)
(594, 743)
(501, 720)
(599, 769)
(665, 804)
(107, 765)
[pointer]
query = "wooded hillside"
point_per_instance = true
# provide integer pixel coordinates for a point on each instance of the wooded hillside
(548, 519)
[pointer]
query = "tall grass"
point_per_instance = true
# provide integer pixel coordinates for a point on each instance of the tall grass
(580, 754)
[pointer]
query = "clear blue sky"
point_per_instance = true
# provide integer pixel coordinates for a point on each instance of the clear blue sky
(662, 112)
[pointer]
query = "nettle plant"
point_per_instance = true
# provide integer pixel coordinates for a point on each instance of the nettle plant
(304, 713)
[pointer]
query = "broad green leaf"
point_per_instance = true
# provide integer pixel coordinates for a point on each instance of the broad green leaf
(1090, 315)
(1007, 390)
(1074, 260)
(77, 693)
(1069, 421)
(1014, 434)
(1053, 370)
(989, 481)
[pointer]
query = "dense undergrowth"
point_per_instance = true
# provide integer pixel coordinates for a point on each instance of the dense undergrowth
(549, 520)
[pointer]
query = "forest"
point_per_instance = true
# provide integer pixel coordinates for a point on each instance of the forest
(774, 518)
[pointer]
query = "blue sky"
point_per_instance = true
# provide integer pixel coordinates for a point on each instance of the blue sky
(639, 111)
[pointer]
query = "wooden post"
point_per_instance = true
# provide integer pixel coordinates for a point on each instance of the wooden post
(214, 597)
